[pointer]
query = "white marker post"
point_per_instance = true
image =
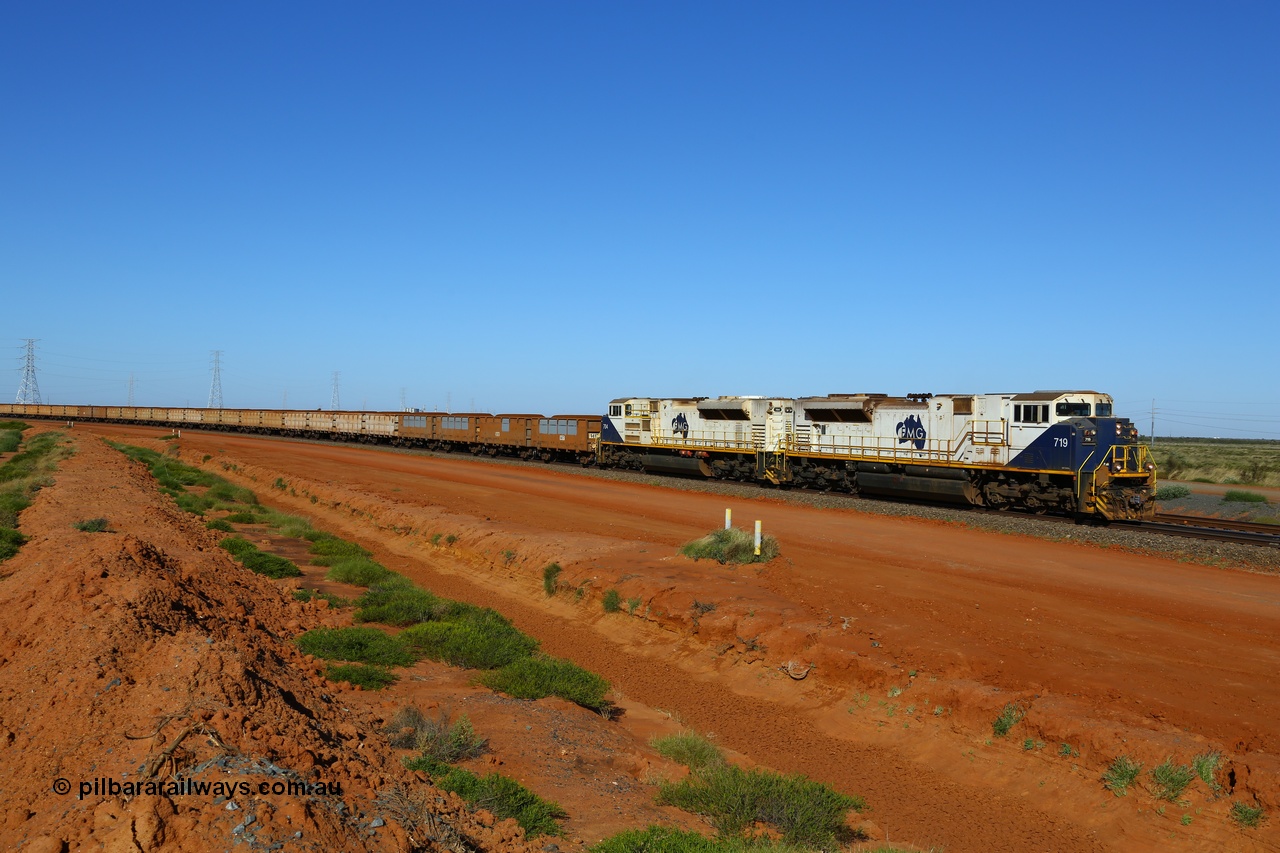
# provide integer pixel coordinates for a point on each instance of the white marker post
(728, 518)
(757, 538)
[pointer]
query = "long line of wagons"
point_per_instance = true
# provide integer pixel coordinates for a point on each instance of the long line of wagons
(1045, 451)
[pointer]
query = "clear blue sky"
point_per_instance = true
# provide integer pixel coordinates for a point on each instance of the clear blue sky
(542, 206)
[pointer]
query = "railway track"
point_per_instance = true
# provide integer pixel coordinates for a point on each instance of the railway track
(1216, 529)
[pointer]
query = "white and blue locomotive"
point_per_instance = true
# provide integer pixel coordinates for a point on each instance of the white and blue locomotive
(1060, 451)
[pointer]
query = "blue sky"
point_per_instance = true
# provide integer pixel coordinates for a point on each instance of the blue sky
(539, 207)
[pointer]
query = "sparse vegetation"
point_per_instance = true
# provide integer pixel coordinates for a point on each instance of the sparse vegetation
(220, 525)
(1246, 815)
(438, 739)
(397, 602)
(1170, 780)
(10, 541)
(92, 525)
(1121, 774)
(242, 518)
(731, 545)
(359, 571)
(1009, 717)
(800, 810)
(314, 594)
(551, 578)
(1241, 496)
(633, 604)
(1214, 460)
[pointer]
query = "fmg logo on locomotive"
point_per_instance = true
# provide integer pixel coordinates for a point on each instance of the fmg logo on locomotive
(680, 425)
(912, 430)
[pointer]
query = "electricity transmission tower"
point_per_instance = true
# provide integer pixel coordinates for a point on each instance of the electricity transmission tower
(334, 403)
(130, 390)
(215, 390)
(29, 390)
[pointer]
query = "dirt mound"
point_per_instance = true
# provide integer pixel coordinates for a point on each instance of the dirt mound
(151, 697)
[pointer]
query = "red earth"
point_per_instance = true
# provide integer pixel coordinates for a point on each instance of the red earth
(874, 654)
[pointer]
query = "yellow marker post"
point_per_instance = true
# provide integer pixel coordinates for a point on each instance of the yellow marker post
(757, 538)
(728, 518)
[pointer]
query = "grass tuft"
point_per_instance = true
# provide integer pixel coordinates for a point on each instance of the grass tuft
(1172, 493)
(92, 525)
(259, 562)
(220, 525)
(1246, 816)
(1206, 767)
(1241, 496)
(731, 545)
(1171, 780)
(1121, 774)
(688, 748)
(612, 601)
(1009, 717)
(359, 571)
(551, 578)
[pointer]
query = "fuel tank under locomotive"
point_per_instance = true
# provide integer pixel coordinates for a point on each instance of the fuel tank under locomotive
(952, 485)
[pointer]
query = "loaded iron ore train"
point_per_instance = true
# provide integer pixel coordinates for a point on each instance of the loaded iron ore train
(1047, 451)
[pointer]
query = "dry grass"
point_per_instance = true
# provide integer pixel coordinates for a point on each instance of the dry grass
(1219, 460)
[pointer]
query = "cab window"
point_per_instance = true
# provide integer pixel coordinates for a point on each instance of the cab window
(1072, 410)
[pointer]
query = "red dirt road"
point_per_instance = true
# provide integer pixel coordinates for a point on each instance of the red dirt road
(1107, 652)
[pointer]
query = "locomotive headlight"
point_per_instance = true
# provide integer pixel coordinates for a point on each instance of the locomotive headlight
(1151, 466)
(1117, 429)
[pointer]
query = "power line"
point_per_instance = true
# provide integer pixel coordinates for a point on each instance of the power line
(29, 390)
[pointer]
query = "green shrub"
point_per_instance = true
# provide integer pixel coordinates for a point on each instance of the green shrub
(92, 525)
(368, 677)
(332, 546)
(1241, 496)
(612, 602)
(665, 839)
(1121, 774)
(357, 645)
(9, 440)
(801, 810)
(243, 518)
(483, 639)
(12, 502)
(220, 525)
(270, 565)
(359, 571)
(536, 677)
(1009, 717)
(1172, 493)
(731, 545)
(439, 740)
(688, 748)
(10, 541)
(504, 797)
(398, 604)
(237, 545)
(551, 578)
(1249, 816)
